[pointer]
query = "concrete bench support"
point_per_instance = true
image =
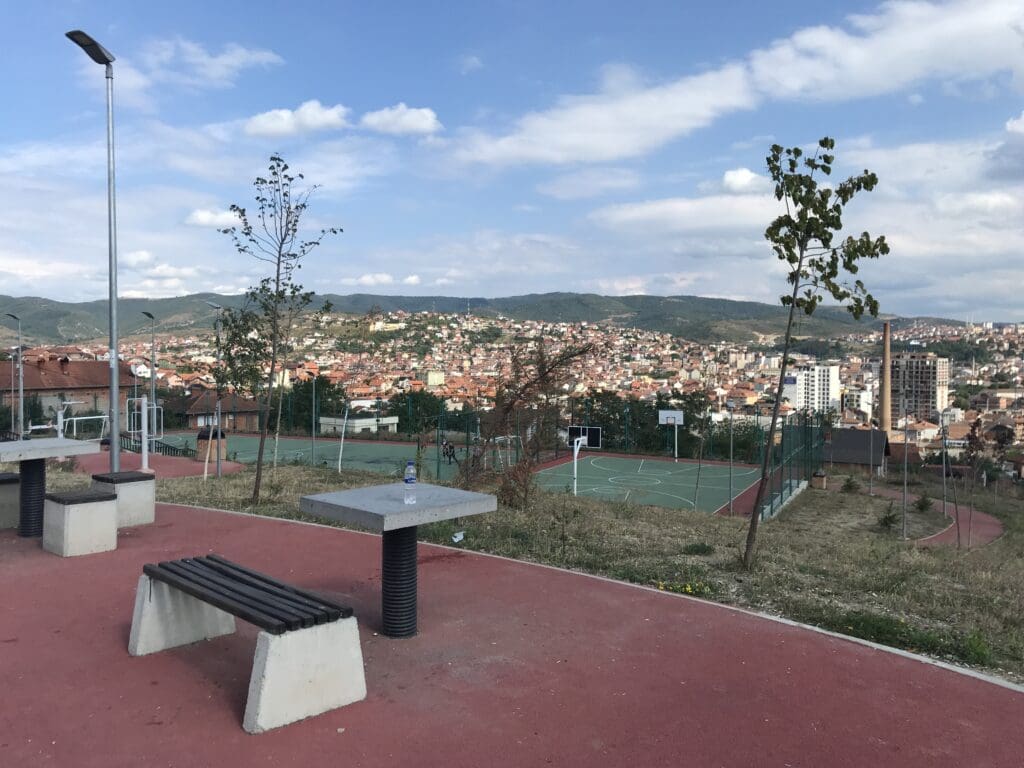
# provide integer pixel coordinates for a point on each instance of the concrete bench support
(79, 523)
(10, 499)
(136, 496)
(296, 674)
(304, 673)
(166, 617)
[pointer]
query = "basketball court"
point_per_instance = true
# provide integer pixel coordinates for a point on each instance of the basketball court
(656, 481)
(387, 458)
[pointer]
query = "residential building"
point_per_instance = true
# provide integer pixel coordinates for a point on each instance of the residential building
(813, 388)
(920, 385)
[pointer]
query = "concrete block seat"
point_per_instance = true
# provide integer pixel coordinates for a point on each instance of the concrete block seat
(136, 495)
(10, 499)
(308, 659)
(79, 522)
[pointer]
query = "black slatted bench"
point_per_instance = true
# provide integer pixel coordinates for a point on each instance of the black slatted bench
(250, 595)
(308, 659)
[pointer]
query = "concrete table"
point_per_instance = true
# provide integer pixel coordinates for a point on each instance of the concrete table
(382, 508)
(32, 455)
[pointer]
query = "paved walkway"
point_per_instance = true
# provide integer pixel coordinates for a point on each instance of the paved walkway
(979, 528)
(164, 466)
(515, 665)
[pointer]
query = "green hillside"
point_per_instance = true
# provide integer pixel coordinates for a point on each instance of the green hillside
(693, 317)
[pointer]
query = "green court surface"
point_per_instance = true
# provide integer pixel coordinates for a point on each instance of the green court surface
(386, 458)
(650, 481)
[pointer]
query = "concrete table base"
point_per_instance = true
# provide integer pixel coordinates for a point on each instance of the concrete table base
(398, 582)
(382, 508)
(33, 493)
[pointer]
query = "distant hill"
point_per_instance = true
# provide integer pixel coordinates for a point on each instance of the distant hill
(693, 317)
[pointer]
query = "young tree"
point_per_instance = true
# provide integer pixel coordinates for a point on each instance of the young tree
(804, 239)
(273, 237)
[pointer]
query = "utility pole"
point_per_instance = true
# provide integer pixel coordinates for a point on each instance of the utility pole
(906, 454)
(731, 413)
(152, 380)
(21, 382)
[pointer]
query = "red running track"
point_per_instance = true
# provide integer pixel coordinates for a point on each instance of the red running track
(515, 665)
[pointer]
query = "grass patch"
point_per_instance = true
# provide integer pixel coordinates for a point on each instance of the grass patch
(970, 648)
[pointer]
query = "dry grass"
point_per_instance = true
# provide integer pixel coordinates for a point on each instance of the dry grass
(824, 560)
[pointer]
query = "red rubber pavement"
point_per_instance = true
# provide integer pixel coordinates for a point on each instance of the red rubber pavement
(163, 466)
(515, 665)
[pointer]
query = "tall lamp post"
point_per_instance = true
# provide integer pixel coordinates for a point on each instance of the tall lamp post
(152, 380)
(216, 408)
(21, 383)
(101, 55)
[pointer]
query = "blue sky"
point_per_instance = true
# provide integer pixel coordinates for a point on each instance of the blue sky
(490, 149)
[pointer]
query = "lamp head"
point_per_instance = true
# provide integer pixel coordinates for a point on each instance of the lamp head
(93, 50)
(149, 315)
(13, 317)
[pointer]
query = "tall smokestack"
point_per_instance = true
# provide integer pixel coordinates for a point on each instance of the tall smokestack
(885, 395)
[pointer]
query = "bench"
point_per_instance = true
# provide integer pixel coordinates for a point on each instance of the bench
(136, 495)
(79, 522)
(10, 499)
(308, 659)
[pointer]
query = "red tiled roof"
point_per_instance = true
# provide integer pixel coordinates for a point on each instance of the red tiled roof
(54, 376)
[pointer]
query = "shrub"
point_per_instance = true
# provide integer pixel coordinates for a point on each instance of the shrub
(887, 520)
(923, 503)
(850, 485)
(698, 548)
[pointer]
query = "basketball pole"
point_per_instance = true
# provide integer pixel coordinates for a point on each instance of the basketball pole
(577, 444)
(675, 452)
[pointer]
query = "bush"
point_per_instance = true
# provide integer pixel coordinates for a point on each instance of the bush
(698, 548)
(850, 485)
(924, 503)
(887, 520)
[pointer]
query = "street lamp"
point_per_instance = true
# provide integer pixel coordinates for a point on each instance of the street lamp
(152, 379)
(101, 55)
(216, 411)
(21, 382)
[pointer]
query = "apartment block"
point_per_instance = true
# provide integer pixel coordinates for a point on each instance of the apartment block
(921, 381)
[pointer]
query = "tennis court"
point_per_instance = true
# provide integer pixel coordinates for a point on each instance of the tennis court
(651, 481)
(387, 458)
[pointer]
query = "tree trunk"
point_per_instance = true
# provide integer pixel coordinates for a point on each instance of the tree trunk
(755, 514)
(275, 330)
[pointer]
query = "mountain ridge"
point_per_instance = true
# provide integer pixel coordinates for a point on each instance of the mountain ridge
(697, 318)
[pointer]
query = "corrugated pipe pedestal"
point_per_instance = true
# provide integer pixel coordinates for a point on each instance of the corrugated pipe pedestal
(398, 582)
(33, 493)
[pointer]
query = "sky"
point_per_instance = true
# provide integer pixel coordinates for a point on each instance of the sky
(502, 148)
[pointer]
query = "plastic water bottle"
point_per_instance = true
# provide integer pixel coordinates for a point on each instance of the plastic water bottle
(410, 482)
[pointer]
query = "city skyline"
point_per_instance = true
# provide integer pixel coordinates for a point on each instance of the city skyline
(519, 149)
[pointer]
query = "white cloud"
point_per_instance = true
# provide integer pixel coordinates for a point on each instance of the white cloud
(622, 286)
(729, 213)
(369, 280)
(310, 116)
(741, 181)
(615, 124)
(401, 119)
(1016, 125)
(903, 43)
(469, 63)
(204, 217)
(411, 280)
(188, 63)
(444, 281)
(591, 182)
(135, 259)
